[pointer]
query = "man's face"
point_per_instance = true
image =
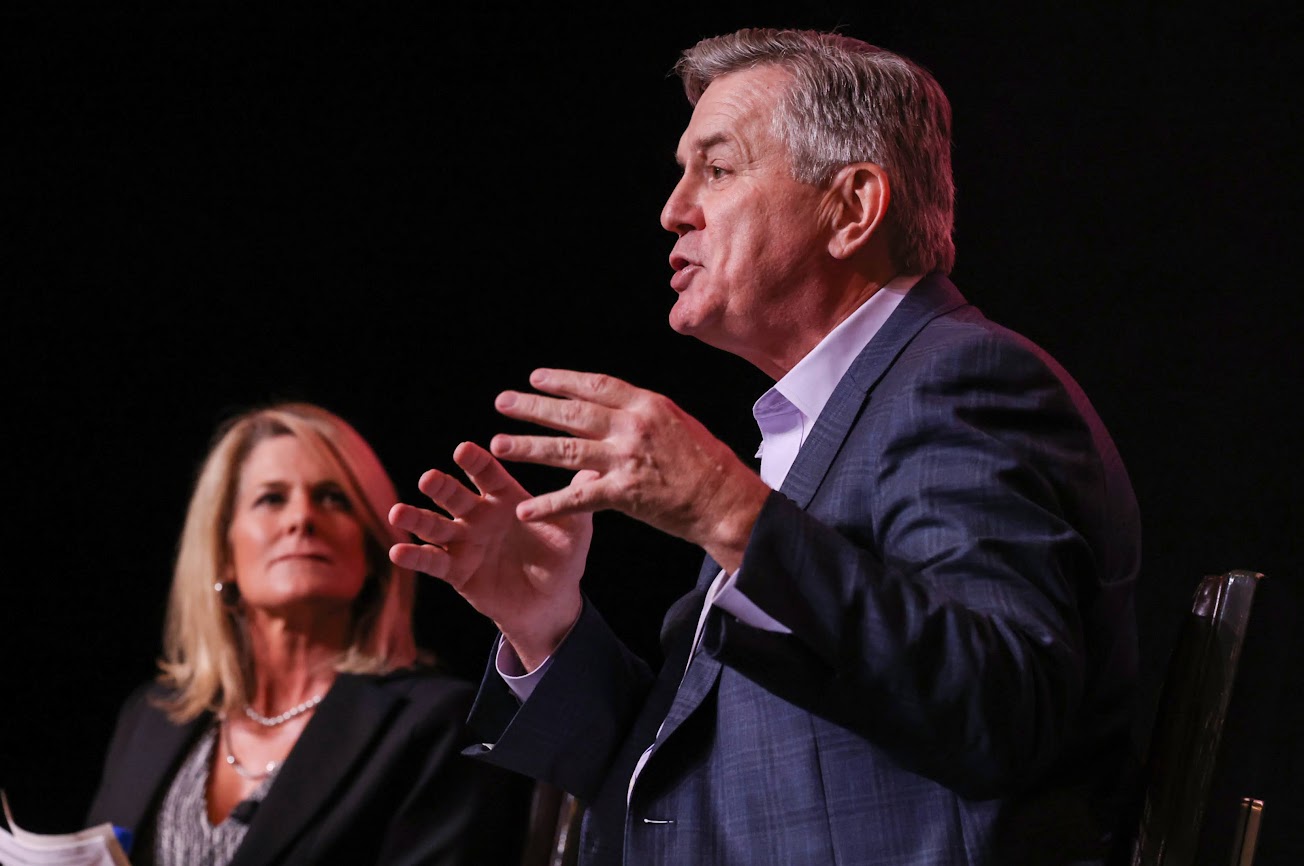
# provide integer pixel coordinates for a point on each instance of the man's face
(750, 238)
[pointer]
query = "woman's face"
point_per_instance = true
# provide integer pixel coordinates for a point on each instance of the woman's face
(294, 538)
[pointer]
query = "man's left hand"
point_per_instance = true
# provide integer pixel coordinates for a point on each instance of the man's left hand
(653, 460)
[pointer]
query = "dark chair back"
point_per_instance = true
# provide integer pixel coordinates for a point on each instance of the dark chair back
(553, 837)
(1180, 824)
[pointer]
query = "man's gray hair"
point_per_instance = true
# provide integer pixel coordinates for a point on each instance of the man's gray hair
(853, 102)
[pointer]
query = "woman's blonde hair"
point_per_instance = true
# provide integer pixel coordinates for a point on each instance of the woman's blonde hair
(206, 658)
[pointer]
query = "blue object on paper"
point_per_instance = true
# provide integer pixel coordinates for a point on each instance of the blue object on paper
(125, 838)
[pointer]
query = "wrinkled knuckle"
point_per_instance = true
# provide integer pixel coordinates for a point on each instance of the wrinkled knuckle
(568, 449)
(639, 425)
(571, 412)
(663, 405)
(600, 383)
(625, 455)
(644, 437)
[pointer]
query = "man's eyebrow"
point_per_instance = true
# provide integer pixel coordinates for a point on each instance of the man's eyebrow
(706, 143)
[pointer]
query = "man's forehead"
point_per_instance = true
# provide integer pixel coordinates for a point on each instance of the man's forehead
(737, 103)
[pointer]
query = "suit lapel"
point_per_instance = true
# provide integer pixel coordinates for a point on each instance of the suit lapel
(702, 673)
(334, 740)
(933, 296)
(710, 568)
(668, 702)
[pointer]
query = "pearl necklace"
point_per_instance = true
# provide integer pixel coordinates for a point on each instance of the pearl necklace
(273, 721)
(243, 771)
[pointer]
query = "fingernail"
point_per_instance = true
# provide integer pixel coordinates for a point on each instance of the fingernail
(539, 377)
(505, 400)
(524, 511)
(500, 444)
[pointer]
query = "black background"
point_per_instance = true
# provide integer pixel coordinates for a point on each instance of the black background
(398, 214)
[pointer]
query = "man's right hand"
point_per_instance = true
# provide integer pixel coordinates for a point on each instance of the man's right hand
(523, 576)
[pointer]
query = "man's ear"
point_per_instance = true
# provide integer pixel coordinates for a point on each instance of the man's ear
(856, 201)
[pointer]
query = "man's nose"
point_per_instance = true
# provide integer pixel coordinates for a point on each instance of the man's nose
(681, 213)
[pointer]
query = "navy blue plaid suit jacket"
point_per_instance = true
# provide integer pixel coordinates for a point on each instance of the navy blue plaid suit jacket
(955, 550)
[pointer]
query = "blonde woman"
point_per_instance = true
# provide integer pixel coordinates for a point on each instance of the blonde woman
(290, 722)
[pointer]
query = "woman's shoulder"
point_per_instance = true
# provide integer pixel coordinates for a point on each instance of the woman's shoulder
(423, 686)
(146, 699)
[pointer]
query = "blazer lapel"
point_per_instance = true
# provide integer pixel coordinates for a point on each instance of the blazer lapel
(697, 682)
(342, 728)
(710, 568)
(157, 748)
(934, 295)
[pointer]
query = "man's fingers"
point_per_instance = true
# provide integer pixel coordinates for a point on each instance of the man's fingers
(584, 476)
(563, 452)
(424, 524)
(447, 492)
(596, 388)
(579, 497)
(577, 417)
(489, 476)
(425, 558)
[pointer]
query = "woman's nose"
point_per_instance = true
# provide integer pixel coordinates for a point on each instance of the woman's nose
(300, 514)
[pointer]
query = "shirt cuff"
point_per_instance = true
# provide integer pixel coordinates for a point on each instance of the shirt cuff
(731, 599)
(509, 667)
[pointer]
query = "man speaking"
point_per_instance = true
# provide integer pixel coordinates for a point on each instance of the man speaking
(912, 641)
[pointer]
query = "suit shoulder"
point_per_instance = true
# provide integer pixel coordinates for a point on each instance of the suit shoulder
(968, 328)
(966, 342)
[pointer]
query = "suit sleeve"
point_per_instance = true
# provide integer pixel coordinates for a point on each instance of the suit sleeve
(934, 586)
(570, 730)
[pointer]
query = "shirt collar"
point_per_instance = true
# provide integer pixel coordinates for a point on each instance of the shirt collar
(810, 384)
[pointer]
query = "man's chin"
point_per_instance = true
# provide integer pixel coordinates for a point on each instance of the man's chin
(679, 326)
(700, 330)
(687, 321)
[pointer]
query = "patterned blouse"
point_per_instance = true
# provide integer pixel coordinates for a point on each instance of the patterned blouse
(183, 836)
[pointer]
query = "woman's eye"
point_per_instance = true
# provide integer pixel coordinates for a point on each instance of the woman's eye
(271, 497)
(337, 499)
(716, 172)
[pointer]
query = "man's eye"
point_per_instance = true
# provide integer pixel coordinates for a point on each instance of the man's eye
(716, 171)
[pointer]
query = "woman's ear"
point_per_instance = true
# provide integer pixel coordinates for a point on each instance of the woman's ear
(857, 200)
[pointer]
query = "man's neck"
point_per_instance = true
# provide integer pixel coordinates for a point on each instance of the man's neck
(819, 321)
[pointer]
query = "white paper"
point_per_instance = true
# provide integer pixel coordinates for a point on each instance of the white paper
(94, 846)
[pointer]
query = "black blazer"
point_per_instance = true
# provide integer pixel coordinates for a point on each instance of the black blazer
(375, 777)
